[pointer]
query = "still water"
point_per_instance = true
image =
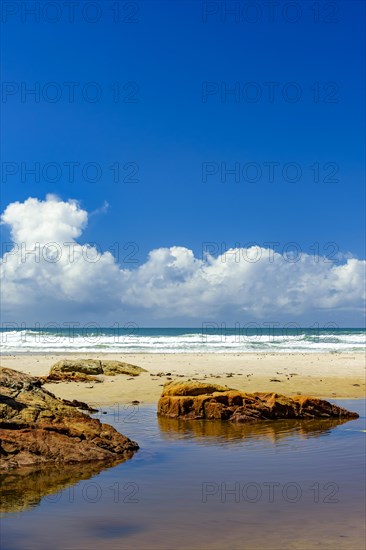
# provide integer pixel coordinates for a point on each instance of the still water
(198, 485)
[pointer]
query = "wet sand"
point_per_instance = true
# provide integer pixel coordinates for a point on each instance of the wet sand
(326, 375)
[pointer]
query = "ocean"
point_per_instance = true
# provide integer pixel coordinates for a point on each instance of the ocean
(210, 338)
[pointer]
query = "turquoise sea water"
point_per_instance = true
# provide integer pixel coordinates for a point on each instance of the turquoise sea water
(199, 485)
(208, 338)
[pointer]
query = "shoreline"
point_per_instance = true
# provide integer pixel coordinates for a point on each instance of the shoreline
(107, 354)
(323, 375)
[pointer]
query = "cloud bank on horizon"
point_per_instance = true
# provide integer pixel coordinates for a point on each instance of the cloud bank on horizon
(66, 281)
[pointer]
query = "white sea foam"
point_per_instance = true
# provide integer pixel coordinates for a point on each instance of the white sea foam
(23, 341)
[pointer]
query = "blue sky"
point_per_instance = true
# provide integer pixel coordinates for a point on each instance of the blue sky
(170, 132)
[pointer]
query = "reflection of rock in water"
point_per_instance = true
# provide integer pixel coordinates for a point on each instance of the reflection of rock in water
(25, 487)
(175, 428)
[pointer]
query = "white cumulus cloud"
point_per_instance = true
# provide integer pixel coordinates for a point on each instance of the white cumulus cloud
(47, 276)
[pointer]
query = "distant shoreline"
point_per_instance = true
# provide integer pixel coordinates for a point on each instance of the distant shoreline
(173, 353)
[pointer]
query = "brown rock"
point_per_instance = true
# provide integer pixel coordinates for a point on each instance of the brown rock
(191, 388)
(56, 376)
(38, 428)
(80, 405)
(85, 366)
(198, 401)
(111, 368)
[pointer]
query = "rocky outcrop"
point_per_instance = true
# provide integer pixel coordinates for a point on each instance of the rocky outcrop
(84, 370)
(36, 428)
(198, 401)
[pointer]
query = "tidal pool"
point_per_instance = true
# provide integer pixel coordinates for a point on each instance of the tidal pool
(198, 485)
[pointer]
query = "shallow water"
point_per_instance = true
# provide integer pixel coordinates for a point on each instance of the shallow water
(285, 484)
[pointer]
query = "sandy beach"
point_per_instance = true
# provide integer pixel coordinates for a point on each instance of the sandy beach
(327, 375)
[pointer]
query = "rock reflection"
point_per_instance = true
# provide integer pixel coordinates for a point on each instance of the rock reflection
(24, 488)
(212, 431)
